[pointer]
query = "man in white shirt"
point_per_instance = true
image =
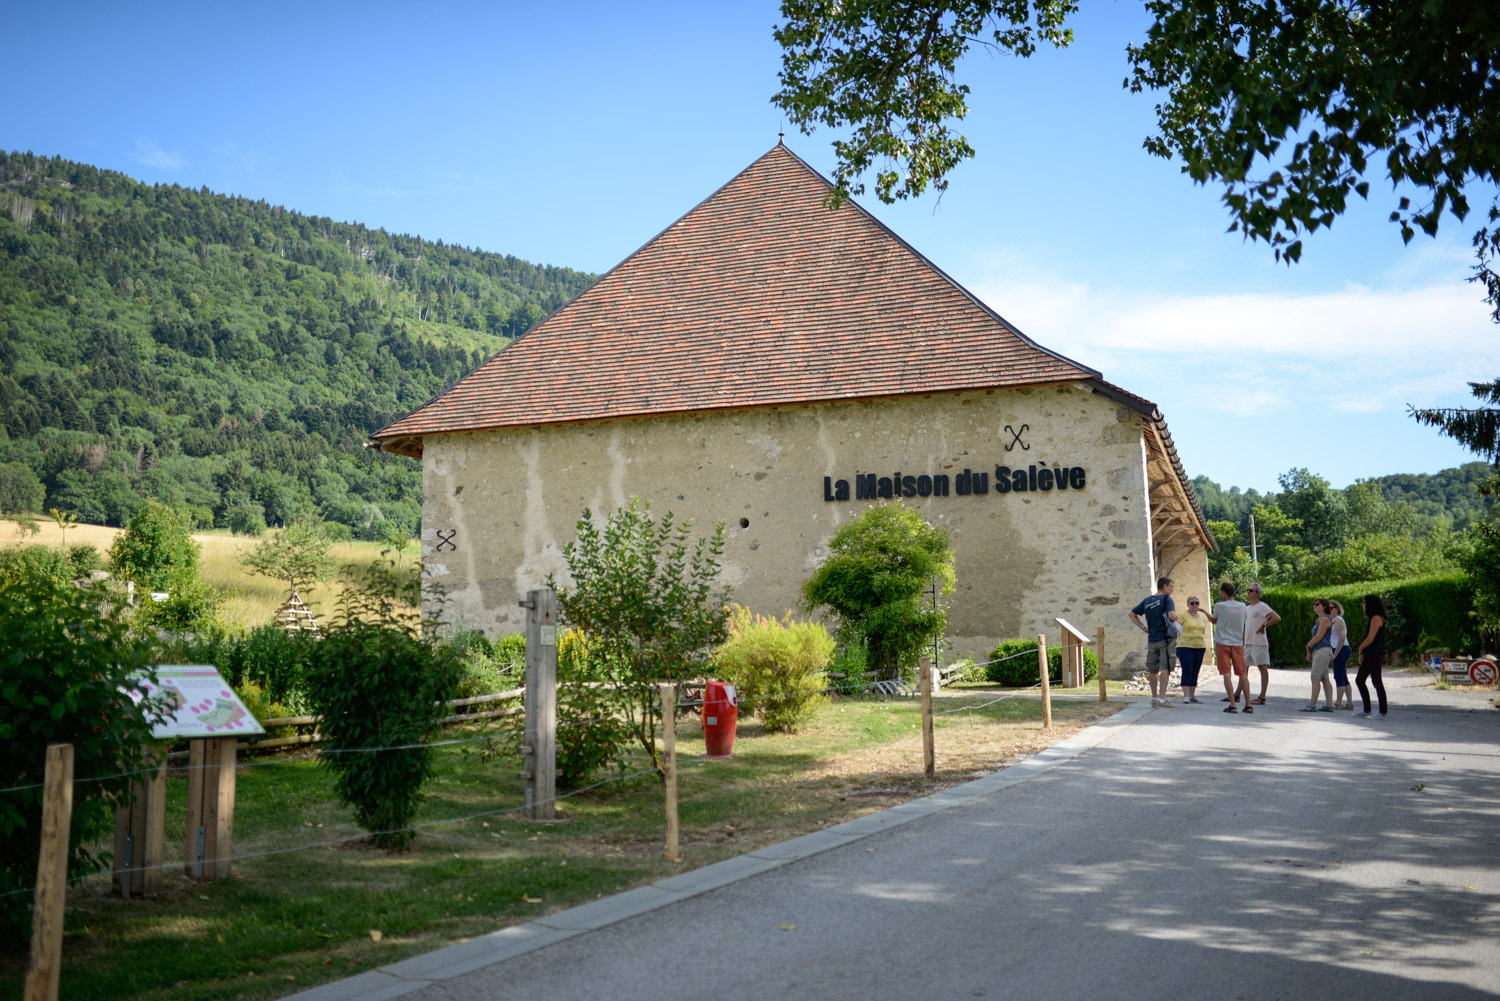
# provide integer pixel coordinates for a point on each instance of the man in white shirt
(1258, 617)
(1228, 618)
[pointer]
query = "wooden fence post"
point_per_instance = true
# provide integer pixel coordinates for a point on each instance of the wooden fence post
(539, 751)
(669, 764)
(929, 763)
(210, 808)
(1041, 655)
(45, 968)
(140, 829)
(1099, 653)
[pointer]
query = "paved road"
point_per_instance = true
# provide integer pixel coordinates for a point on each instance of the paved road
(1192, 855)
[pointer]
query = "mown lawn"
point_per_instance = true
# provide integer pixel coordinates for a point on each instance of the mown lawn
(293, 919)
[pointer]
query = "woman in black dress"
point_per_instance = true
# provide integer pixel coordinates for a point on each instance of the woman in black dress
(1372, 655)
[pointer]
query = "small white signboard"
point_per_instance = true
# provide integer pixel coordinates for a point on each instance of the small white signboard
(205, 704)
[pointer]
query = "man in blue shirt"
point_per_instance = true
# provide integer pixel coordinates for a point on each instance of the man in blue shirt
(1161, 631)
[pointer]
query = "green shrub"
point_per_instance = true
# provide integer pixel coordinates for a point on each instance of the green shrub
(246, 519)
(779, 666)
(65, 666)
(267, 656)
(263, 708)
(848, 671)
(1023, 671)
(29, 563)
(191, 605)
(380, 681)
(879, 569)
(510, 649)
(1437, 607)
(592, 733)
(84, 559)
(156, 551)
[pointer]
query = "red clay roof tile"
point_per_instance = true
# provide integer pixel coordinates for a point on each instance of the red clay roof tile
(759, 296)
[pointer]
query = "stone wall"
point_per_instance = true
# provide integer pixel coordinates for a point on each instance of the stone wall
(500, 505)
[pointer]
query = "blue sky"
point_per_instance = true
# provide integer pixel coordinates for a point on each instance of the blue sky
(570, 134)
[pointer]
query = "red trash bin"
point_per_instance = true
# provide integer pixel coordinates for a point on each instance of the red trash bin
(720, 717)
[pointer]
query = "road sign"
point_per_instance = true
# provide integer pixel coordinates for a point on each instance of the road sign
(1482, 672)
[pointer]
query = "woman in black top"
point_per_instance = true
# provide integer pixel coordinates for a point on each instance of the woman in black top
(1372, 655)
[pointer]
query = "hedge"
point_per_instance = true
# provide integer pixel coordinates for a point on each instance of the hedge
(1425, 613)
(1022, 671)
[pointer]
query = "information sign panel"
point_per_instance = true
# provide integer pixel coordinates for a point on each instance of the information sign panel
(201, 703)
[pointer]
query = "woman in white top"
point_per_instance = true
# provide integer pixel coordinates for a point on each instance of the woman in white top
(1343, 694)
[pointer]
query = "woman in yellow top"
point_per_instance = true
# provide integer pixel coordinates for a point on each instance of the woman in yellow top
(1197, 636)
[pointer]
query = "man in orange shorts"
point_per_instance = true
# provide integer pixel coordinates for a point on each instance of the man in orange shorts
(1229, 645)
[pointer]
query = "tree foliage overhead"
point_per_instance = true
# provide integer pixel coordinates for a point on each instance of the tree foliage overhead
(1289, 105)
(225, 356)
(888, 71)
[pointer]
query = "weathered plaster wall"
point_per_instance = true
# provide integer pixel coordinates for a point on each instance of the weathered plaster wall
(510, 498)
(1191, 578)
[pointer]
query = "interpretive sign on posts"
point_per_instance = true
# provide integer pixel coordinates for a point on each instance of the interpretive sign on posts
(199, 703)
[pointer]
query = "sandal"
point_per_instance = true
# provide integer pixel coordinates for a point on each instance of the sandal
(1231, 709)
(1249, 710)
(1226, 699)
(1308, 709)
(1260, 701)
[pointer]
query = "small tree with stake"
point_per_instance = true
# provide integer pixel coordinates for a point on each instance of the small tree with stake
(298, 554)
(647, 598)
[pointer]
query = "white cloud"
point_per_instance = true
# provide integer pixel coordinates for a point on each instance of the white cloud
(1350, 350)
(149, 154)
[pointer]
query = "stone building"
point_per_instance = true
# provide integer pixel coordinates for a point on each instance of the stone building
(770, 363)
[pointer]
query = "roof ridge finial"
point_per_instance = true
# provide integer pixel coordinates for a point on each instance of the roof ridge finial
(781, 136)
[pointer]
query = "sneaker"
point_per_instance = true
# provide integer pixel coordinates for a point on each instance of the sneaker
(1155, 701)
(1194, 701)
(1364, 715)
(1380, 715)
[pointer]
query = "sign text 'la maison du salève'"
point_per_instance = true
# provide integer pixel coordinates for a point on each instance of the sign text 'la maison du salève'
(1032, 478)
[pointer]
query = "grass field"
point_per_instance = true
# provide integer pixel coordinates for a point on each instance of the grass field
(289, 920)
(250, 600)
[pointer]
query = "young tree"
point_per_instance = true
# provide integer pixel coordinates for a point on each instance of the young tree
(1476, 428)
(879, 568)
(646, 597)
(297, 554)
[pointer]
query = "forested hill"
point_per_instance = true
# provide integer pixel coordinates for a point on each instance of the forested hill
(225, 355)
(1451, 494)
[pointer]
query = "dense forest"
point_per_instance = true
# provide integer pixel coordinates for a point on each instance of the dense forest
(227, 356)
(1386, 527)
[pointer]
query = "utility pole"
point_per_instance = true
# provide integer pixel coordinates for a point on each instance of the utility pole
(1253, 558)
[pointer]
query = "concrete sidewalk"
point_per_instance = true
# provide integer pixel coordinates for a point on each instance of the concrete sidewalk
(1188, 853)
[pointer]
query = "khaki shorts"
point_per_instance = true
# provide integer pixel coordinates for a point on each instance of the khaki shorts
(1258, 654)
(1322, 660)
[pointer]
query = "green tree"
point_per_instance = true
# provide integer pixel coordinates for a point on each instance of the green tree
(1322, 511)
(68, 662)
(878, 569)
(1481, 564)
(1476, 428)
(1290, 108)
(297, 554)
(1274, 528)
(647, 599)
(156, 550)
(20, 491)
(380, 679)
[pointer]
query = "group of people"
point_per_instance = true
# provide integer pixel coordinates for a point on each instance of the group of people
(1237, 632)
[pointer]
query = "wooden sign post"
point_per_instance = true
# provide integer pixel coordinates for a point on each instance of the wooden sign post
(141, 830)
(44, 971)
(210, 809)
(1073, 640)
(539, 746)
